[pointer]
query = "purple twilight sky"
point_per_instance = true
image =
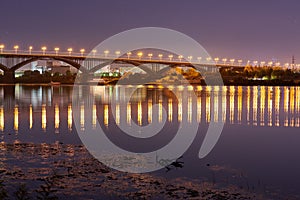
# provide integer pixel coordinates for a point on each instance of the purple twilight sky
(255, 30)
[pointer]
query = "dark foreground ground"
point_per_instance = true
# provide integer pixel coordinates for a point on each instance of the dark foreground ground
(59, 171)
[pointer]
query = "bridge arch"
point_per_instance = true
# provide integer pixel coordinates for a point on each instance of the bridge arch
(3, 68)
(70, 62)
(137, 64)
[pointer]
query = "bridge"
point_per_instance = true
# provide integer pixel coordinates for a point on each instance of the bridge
(10, 61)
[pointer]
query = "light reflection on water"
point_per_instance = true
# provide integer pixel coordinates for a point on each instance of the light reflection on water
(257, 106)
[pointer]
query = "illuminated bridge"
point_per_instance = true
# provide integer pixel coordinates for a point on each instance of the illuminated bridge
(10, 61)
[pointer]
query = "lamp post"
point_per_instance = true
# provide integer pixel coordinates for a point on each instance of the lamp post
(255, 62)
(216, 60)
(140, 54)
(106, 52)
(240, 62)
(117, 53)
(170, 57)
(160, 56)
(94, 51)
(56, 49)
(262, 63)
(70, 51)
(82, 51)
(16, 47)
(128, 55)
(44, 49)
(30, 49)
(180, 57)
(1, 47)
(199, 59)
(232, 61)
(150, 55)
(190, 58)
(224, 61)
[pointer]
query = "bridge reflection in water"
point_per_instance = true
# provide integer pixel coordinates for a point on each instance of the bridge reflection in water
(32, 108)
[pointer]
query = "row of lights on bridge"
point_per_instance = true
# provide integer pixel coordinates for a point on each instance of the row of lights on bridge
(160, 56)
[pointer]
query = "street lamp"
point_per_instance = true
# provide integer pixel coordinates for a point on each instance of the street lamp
(277, 64)
(150, 55)
(262, 63)
(117, 53)
(199, 59)
(30, 49)
(128, 55)
(240, 62)
(44, 49)
(216, 60)
(180, 57)
(224, 61)
(106, 52)
(140, 54)
(70, 51)
(16, 47)
(190, 58)
(160, 56)
(56, 49)
(170, 57)
(94, 51)
(255, 62)
(232, 61)
(1, 47)
(82, 51)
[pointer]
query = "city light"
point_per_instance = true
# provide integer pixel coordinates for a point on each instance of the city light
(1, 47)
(140, 54)
(70, 51)
(160, 56)
(56, 49)
(44, 49)
(128, 54)
(117, 53)
(16, 47)
(94, 51)
(82, 51)
(106, 52)
(199, 59)
(30, 49)
(180, 57)
(240, 62)
(224, 61)
(216, 60)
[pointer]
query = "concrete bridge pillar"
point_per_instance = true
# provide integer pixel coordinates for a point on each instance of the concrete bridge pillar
(9, 77)
(86, 77)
